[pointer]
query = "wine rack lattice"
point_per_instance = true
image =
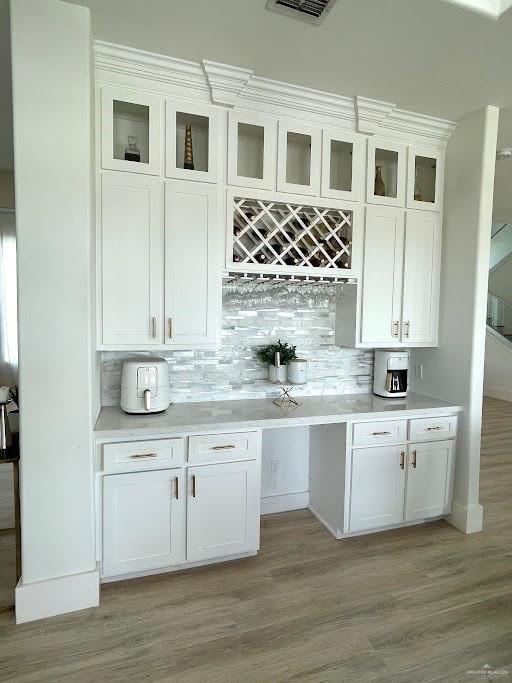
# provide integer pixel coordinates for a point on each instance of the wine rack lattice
(284, 234)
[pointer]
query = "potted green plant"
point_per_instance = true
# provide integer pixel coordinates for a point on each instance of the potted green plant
(277, 356)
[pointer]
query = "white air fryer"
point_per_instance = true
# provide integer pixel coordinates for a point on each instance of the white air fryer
(145, 385)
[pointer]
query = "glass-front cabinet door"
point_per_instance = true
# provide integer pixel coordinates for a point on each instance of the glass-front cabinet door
(131, 125)
(298, 158)
(342, 165)
(425, 178)
(191, 141)
(385, 183)
(251, 150)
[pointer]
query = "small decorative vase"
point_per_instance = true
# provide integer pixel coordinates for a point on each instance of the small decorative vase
(188, 161)
(380, 189)
(277, 374)
(298, 371)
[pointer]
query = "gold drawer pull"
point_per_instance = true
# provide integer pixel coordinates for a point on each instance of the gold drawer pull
(223, 448)
(433, 429)
(414, 459)
(402, 460)
(381, 433)
(138, 456)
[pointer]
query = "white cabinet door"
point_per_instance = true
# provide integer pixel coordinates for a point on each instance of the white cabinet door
(298, 158)
(130, 116)
(421, 278)
(343, 162)
(382, 276)
(131, 260)
(429, 480)
(143, 521)
(386, 172)
(425, 178)
(377, 487)
(192, 258)
(251, 150)
(223, 510)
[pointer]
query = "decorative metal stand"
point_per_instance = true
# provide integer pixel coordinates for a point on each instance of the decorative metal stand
(285, 401)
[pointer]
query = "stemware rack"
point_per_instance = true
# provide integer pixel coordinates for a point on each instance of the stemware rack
(276, 234)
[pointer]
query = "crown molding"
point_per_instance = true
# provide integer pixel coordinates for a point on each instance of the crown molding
(226, 82)
(231, 86)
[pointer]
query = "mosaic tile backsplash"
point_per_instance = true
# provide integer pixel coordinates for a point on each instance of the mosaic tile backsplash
(255, 314)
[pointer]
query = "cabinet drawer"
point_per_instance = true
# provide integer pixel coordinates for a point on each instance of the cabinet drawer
(429, 428)
(223, 447)
(143, 455)
(379, 433)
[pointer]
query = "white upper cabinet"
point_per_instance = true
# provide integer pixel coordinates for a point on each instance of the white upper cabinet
(425, 178)
(382, 276)
(192, 141)
(343, 163)
(252, 144)
(131, 130)
(422, 262)
(131, 258)
(429, 480)
(192, 264)
(298, 158)
(386, 171)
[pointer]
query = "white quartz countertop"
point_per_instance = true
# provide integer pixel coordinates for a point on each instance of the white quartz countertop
(218, 416)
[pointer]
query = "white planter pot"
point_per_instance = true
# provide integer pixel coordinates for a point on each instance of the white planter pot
(298, 371)
(277, 375)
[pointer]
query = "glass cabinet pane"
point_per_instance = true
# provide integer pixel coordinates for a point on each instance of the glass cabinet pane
(340, 172)
(250, 150)
(192, 141)
(425, 169)
(130, 127)
(298, 158)
(386, 173)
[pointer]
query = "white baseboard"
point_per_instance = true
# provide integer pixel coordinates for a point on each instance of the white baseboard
(63, 594)
(337, 533)
(284, 502)
(496, 392)
(468, 519)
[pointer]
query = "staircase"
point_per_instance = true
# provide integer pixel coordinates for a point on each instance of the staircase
(499, 315)
(499, 302)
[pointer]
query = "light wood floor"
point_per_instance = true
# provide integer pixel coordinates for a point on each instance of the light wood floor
(420, 604)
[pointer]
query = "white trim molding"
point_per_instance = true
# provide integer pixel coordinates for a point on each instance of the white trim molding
(237, 87)
(468, 519)
(63, 594)
(284, 502)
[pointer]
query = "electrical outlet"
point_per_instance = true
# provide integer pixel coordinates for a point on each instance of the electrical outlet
(274, 467)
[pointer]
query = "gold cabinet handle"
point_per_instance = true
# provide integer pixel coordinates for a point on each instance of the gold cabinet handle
(177, 487)
(396, 329)
(407, 326)
(140, 456)
(153, 327)
(414, 460)
(433, 429)
(193, 486)
(402, 460)
(381, 433)
(223, 448)
(169, 323)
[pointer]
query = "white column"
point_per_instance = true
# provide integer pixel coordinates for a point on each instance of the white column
(454, 371)
(52, 102)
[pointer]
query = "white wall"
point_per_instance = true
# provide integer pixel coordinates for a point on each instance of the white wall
(498, 367)
(284, 469)
(500, 279)
(51, 56)
(454, 371)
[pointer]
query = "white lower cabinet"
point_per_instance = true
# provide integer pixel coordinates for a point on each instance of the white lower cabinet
(402, 483)
(143, 521)
(223, 509)
(429, 480)
(378, 485)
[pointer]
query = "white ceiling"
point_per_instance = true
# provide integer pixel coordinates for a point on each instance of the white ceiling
(493, 8)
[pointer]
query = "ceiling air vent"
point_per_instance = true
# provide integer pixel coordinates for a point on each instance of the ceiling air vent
(312, 11)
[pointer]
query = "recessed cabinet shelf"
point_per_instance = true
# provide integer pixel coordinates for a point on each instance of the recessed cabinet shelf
(298, 165)
(282, 236)
(342, 165)
(425, 178)
(251, 150)
(191, 142)
(131, 125)
(386, 173)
